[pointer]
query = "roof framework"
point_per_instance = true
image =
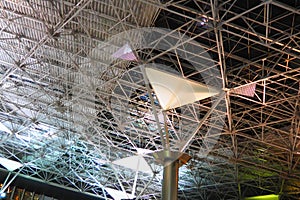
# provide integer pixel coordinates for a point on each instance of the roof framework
(64, 100)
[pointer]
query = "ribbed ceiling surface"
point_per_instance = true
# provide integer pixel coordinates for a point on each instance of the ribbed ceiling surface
(69, 109)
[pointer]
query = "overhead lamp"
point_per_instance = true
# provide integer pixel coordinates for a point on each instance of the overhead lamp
(2, 195)
(203, 21)
(264, 197)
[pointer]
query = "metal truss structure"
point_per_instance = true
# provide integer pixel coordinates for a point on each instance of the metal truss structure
(69, 111)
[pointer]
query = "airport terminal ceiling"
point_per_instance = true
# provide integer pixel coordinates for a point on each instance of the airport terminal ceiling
(75, 98)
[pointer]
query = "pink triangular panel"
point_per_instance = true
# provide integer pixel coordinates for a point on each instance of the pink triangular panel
(128, 56)
(247, 90)
(125, 53)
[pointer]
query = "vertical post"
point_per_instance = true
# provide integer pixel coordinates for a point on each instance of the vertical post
(170, 181)
(172, 161)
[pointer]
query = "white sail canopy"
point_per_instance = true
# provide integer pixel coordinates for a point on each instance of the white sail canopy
(118, 195)
(173, 91)
(10, 165)
(136, 163)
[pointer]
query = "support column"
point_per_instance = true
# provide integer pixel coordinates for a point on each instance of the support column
(170, 181)
(172, 161)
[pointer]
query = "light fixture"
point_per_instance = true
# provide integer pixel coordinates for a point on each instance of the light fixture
(264, 197)
(2, 195)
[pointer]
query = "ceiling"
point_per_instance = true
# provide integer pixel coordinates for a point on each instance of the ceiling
(69, 109)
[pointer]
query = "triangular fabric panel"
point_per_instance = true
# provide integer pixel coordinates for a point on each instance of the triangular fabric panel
(125, 53)
(173, 91)
(128, 56)
(4, 128)
(136, 163)
(142, 151)
(247, 90)
(118, 195)
(10, 164)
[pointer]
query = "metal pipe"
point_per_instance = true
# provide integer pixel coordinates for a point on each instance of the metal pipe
(170, 181)
(171, 160)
